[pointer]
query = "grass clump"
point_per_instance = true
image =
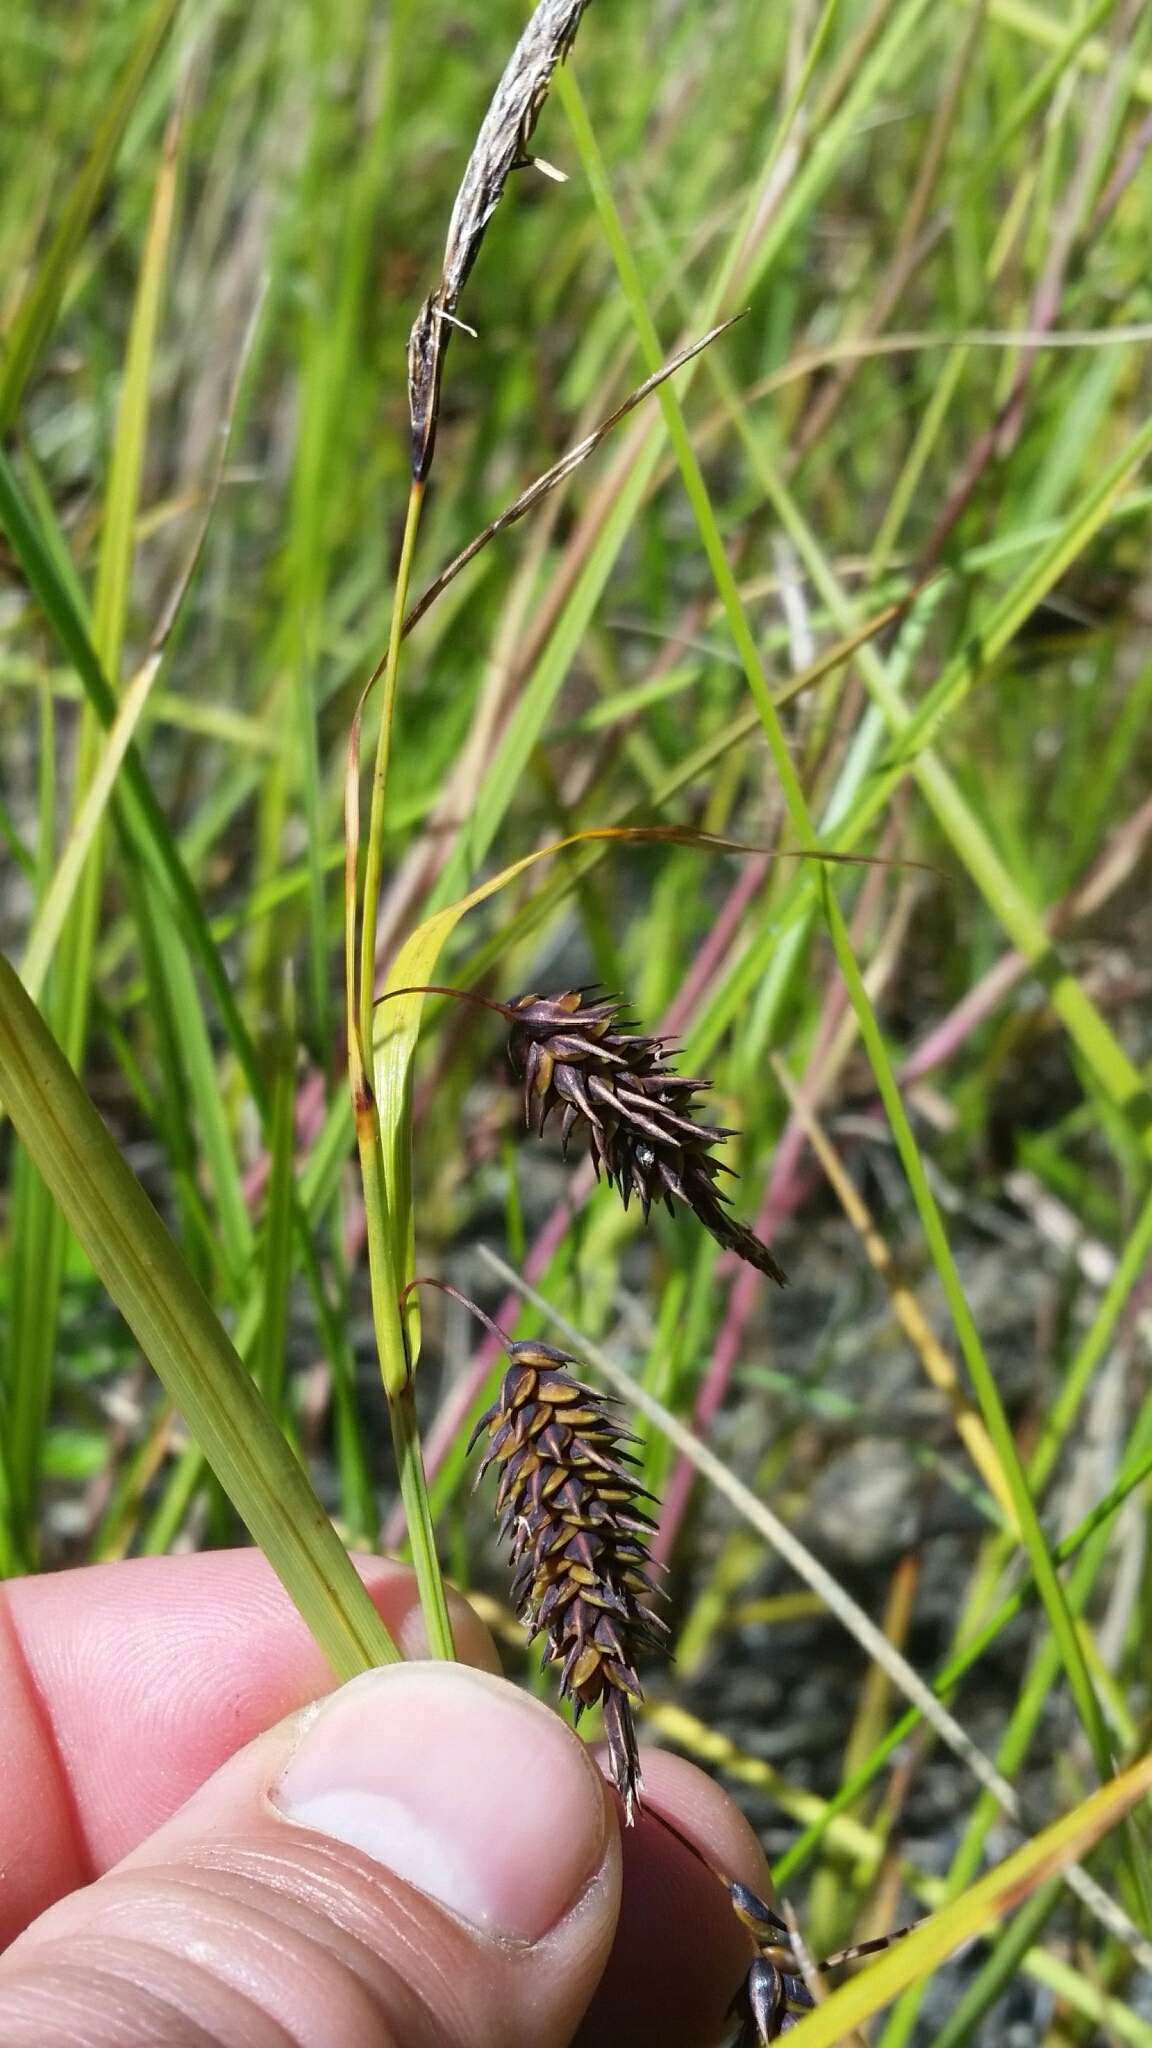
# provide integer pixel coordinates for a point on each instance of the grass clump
(858, 575)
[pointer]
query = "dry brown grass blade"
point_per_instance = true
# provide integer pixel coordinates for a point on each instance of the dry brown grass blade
(511, 514)
(500, 148)
(561, 470)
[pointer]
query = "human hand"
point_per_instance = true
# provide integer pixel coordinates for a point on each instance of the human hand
(430, 1859)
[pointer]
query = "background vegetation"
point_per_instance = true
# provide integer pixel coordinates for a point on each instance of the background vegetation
(218, 221)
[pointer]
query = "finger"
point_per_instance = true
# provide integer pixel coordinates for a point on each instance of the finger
(122, 1687)
(428, 1859)
(680, 1954)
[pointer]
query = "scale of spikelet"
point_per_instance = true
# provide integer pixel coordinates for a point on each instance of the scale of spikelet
(587, 1059)
(567, 1499)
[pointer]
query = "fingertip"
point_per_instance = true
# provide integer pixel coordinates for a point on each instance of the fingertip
(471, 1638)
(704, 1812)
(680, 1953)
(458, 1783)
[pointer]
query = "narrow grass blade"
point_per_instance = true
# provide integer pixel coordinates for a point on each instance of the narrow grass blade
(172, 1321)
(36, 314)
(38, 1229)
(143, 817)
(981, 1907)
(137, 696)
(53, 912)
(276, 1246)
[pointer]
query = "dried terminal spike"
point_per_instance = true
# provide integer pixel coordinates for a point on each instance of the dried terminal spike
(500, 148)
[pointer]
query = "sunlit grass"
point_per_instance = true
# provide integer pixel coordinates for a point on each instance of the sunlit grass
(866, 489)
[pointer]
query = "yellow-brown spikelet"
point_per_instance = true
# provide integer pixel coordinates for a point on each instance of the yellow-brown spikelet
(567, 1500)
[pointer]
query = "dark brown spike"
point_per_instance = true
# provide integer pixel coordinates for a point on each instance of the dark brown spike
(736, 1237)
(760, 2005)
(569, 1505)
(616, 1083)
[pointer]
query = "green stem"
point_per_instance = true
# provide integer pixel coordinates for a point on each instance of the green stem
(418, 1518)
(394, 1367)
(374, 858)
(395, 1371)
(392, 1349)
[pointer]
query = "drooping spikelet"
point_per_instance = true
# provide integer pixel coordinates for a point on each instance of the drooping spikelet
(587, 1058)
(774, 1997)
(567, 1499)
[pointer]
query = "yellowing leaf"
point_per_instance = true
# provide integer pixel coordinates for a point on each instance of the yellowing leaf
(397, 1021)
(979, 1908)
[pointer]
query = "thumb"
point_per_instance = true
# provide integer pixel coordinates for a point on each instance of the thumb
(427, 1859)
